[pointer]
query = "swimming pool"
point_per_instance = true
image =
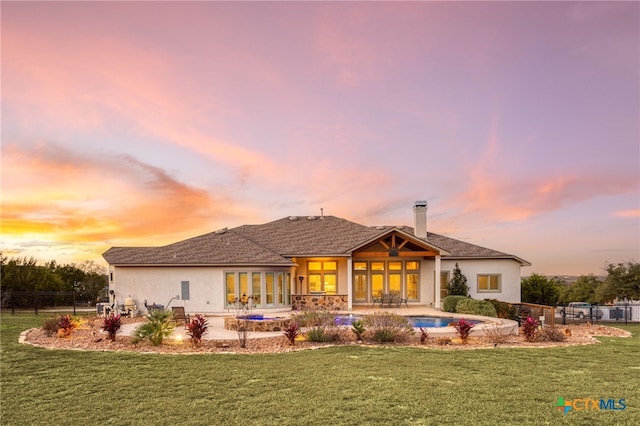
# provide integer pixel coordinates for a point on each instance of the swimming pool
(414, 320)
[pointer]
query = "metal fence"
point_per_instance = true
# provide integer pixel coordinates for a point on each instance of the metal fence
(45, 301)
(622, 313)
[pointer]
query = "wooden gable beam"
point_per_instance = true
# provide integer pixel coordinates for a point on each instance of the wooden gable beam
(365, 254)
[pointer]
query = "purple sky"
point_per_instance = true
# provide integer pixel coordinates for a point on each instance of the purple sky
(145, 123)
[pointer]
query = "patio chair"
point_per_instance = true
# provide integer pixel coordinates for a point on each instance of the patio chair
(179, 315)
(377, 300)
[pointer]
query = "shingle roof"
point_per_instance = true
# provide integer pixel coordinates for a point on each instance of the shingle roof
(309, 236)
(214, 248)
(273, 243)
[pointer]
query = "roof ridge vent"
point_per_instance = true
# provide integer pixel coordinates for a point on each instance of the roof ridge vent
(380, 227)
(293, 217)
(311, 217)
(221, 231)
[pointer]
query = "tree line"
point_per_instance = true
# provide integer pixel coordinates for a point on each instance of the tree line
(22, 280)
(622, 281)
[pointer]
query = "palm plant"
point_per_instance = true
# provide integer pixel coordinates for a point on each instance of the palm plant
(158, 326)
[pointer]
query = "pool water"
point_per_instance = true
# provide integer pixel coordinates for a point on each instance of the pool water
(415, 321)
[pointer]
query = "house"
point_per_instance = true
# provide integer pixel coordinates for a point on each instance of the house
(301, 261)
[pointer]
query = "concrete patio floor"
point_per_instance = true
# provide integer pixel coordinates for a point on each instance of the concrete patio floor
(216, 330)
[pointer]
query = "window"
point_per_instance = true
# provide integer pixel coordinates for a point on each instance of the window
(395, 266)
(185, 290)
(280, 292)
(412, 286)
(231, 287)
(244, 284)
(256, 284)
(489, 282)
(270, 287)
(263, 288)
(360, 281)
(377, 266)
(323, 276)
(444, 284)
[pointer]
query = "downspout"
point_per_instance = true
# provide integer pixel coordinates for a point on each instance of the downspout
(436, 283)
(349, 283)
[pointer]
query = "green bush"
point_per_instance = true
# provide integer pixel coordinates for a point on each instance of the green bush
(503, 309)
(476, 307)
(322, 334)
(449, 303)
(358, 328)
(158, 326)
(387, 327)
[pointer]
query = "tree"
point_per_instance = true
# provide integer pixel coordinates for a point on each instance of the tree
(623, 280)
(22, 278)
(582, 290)
(96, 281)
(540, 290)
(458, 283)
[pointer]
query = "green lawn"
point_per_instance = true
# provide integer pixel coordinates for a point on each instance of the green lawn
(342, 385)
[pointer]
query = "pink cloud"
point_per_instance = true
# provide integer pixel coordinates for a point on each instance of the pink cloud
(628, 213)
(84, 198)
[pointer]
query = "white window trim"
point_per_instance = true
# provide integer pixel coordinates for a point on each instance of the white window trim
(498, 290)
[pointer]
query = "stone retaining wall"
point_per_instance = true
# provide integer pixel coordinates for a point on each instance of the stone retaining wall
(272, 324)
(333, 302)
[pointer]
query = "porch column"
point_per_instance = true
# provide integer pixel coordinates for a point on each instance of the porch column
(350, 283)
(437, 281)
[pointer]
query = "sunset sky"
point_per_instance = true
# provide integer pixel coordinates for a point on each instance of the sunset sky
(146, 123)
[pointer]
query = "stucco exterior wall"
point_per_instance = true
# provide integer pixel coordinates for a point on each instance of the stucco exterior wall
(427, 275)
(508, 269)
(159, 285)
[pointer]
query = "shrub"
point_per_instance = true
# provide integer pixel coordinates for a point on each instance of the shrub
(463, 329)
(449, 303)
(358, 328)
(111, 324)
(503, 309)
(530, 329)
(291, 332)
(476, 307)
(158, 326)
(314, 318)
(387, 327)
(384, 335)
(322, 334)
(552, 334)
(50, 326)
(66, 325)
(497, 334)
(196, 328)
(443, 341)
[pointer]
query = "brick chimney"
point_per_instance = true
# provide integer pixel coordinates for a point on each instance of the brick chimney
(420, 219)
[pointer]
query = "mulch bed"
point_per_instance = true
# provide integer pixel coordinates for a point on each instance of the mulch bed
(89, 337)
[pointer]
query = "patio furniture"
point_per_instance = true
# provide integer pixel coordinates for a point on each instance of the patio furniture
(179, 315)
(401, 301)
(388, 299)
(377, 300)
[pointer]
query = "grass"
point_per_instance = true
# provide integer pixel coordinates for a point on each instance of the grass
(343, 385)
